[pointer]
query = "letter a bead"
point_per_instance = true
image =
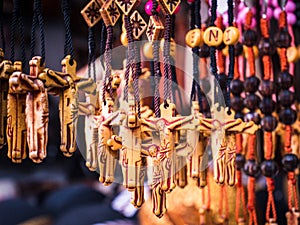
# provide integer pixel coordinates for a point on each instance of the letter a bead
(231, 36)
(194, 38)
(213, 36)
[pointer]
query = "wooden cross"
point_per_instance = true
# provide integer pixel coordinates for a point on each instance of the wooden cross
(224, 151)
(6, 69)
(167, 126)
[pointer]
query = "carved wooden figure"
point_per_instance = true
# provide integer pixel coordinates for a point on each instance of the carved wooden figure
(167, 126)
(6, 69)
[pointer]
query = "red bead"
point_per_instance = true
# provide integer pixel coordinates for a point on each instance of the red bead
(149, 6)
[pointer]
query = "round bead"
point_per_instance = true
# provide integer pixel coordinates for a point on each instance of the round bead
(269, 123)
(266, 46)
(284, 80)
(237, 103)
(283, 39)
(252, 116)
(286, 98)
(123, 39)
(267, 105)
(250, 38)
(287, 116)
(148, 50)
(213, 36)
(236, 86)
(239, 115)
(251, 101)
(290, 6)
(238, 49)
(231, 35)
(255, 51)
(239, 161)
(267, 88)
(289, 162)
(204, 51)
(269, 168)
(292, 54)
(194, 38)
(148, 8)
(251, 168)
(251, 84)
(291, 18)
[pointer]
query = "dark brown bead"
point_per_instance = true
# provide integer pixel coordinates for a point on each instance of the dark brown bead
(221, 46)
(236, 86)
(267, 105)
(269, 168)
(251, 168)
(289, 162)
(252, 116)
(266, 47)
(283, 39)
(250, 38)
(237, 103)
(267, 88)
(268, 123)
(238, 49)
(287, 116)
(239, 161)
(286, 98)
(251, 101)
(251, 84)
(204, 51)
(284, 80)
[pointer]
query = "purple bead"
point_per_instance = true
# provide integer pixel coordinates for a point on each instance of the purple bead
(284, 80)
(276, 13)
(269, 123)
(236, 86)
(252, 116)
(267, 105)
(250, 38)
(237, 103)
(287, 116)
(283, 38)
(290, 6)
(266, 47)
(251, 84)
(238, 49)
(251, 101)
(291, 18)
(251, 168)
(267, 88)
(239, 161)
(289, 162)
(275, 3)
(286, 98)
(269, 168)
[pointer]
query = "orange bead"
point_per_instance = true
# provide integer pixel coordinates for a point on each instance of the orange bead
(123, 39)
(194, 38)
(292, 54)
(148, 50)
(213, 36)
(231, 36)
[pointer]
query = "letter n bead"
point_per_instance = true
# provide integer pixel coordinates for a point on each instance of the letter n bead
(213, 36)
(231, 36)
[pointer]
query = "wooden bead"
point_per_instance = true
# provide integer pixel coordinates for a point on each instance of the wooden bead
(213, 36)
(148, 50)
(292, 54)
(91, 12)
(138, 24)
(255, 51)
(123, 39)
(155, 29)
(172, 47)
(194, 38)
(110, 13)
(231, 36)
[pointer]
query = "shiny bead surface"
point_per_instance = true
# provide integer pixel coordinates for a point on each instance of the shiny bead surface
(252, 116)
(194, 38)
(269, 168)
(213, 36)
(123, 39)
(237, 103)
(287, 116)
(251, 101)
(236, 86)
(289, 162)
(284, 80)
(239, 161)
(251, 84)
(286, 98)
(269, 123)
(267, 88)
(251, 168)
(266, 47)
(204, 51)
(148, 50)
(283, 39)
(267, 105)
(250, 38)
(231, 35)
(292, 54)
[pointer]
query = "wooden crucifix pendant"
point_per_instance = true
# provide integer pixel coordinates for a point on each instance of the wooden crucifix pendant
(6, 69)
(167, 126)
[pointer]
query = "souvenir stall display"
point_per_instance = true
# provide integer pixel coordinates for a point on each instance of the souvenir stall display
(218, 126)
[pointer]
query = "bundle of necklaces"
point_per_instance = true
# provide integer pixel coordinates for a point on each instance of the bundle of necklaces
(242, 123)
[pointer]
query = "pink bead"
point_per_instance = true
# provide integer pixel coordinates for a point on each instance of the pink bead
(177, 9)
(269, 13)
(290, 6)
(253, 23)
(148, 8)
(190, 1)
(241, 6)
(225, 19)
(275, 3)
(291, 19)
(276, 13)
